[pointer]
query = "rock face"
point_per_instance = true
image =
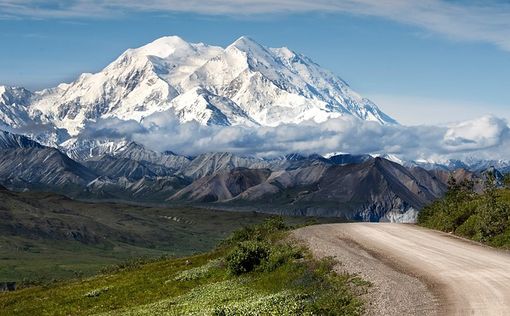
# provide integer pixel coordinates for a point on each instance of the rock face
(369, 190)
(345, 159)
(117, 167)
(12, 141)
(42, 168)
(222, 186)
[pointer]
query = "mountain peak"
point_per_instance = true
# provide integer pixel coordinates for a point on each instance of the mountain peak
(12, 90)
(170, 39)
(244, 40)
(243, 84)
(245, 43)
(164, 47)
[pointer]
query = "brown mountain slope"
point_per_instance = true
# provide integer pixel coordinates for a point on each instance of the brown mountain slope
(222, 186)
(366, 191)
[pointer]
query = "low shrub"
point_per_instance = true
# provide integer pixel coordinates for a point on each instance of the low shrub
(261, 273)
(246, 256)
(279, 255)
(258, 232)
(284, 303)
(469, 228)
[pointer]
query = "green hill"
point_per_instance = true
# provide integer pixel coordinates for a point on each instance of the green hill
(483, 217)
(257, 271)
(44, 236)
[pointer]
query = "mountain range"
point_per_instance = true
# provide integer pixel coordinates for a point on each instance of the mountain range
(50, 142)
(346, 186)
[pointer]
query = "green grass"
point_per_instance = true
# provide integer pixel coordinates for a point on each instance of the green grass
(288, 281)
(39, 261)
(148, 232)
(44, 236)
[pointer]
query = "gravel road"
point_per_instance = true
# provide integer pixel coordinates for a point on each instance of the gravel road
(416, 271)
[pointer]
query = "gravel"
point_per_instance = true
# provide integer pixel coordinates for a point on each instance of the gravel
(394, 291)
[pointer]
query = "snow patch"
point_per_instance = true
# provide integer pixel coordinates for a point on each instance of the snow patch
(397, 216)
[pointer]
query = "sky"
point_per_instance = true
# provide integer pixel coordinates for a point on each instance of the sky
(422, 62)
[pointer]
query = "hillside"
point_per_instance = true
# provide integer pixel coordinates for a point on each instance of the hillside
(45, 236)
(483, 217)
(253, 272)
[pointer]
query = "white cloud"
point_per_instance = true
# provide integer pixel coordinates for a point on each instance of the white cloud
(486, 137)
(487, 21)
(484, 132)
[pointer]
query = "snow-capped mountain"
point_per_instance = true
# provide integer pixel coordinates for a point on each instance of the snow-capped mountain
(242, 84)
(275, 86)
(470, 163)
(14, 106)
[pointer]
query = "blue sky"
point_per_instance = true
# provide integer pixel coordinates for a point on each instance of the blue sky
(447, 61)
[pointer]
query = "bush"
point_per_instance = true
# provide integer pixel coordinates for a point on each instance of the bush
(501, 240)
(506, 180)
(246, 256)
(279, 255)
(482, 217)
(274, 224)
(258, 246)
(469, 228)
(494, 219)
(240, 235)
(258, 232)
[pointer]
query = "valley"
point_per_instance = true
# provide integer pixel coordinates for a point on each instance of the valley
(44, 236)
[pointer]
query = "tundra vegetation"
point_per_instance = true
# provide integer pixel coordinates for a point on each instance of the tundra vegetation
(258, 270)
(483, 217)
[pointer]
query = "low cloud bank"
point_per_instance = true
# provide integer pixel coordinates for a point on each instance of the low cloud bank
(486, 137)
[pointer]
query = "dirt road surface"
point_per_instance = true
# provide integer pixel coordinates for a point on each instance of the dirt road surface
(416, 271)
